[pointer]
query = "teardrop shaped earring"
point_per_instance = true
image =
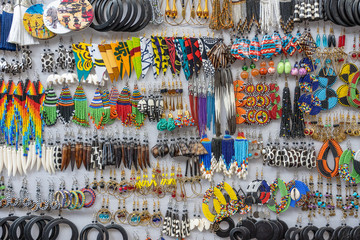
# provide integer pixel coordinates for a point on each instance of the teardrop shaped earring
(324, 38)
(318, 40)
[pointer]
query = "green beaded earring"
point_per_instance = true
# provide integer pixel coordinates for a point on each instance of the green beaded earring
(81, 116)
(49, 112)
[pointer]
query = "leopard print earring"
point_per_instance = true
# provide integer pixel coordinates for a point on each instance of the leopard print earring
(69, 59)
(26, 58)
(61, 58)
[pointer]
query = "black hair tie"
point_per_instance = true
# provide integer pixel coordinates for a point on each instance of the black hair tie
(42, 220)
(264, 230)
(336, 233)
(5, 230)
(141, 18)
(281, 230)
(285, 228)
(306, 230)
(344, 233)
(147, 19)
(103, 232)
(296, 234)
(225, 233)
(114, 8)
(290, 232)
(354, 234)
(119, 228)
(57, 222)
(250, 225)
(276, 234)
(240, 233)
(133, 7)
(19, 224)
(5, 221)
(320, 233)
(124, 16)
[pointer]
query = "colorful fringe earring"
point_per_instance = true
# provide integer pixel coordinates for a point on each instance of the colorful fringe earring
(107, 110)
(205, 160)
(9, 110)
(138, 118)
(124, 106)
(3, 103)
(96, 110)
(114, 95)
(241, 147)
(34, 101)
(19, 110)
(49, 110)
(227, 149)
(65, 106)
(81, 109)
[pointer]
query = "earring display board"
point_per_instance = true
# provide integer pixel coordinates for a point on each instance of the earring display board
(325, 92)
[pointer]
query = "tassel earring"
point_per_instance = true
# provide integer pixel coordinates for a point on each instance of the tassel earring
(6, 23)
(18, 34)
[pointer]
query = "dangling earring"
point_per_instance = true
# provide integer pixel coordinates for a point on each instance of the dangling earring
(134, 217)
(104, 215)
(157, 217)
(171, 123)
(354, 54)
(121, 214)
(179, 120)
(331, 38)
(324, 38)
(318, 40)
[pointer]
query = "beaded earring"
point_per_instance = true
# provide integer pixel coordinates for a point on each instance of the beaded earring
(188, 120)
(263, 70)
(137, 118)
(244, 74)
(254, 71)
(81, 108)
(134, 217)
(65, 106)
(106, 105)
(96, 110)
(124, 109)
(49, 109)
(104, 215)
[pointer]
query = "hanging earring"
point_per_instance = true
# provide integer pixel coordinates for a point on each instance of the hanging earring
(354, 53)
(121, 214)
(331, 39)
(134, 217)
(104, 215)
(318, 40)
